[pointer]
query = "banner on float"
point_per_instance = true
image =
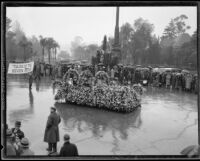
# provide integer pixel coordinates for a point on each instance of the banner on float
(20, 68)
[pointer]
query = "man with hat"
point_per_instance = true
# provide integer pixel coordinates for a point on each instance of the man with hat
(68, 149)
(17, 131)
(24, 148)
(10, 148)
(51, 135)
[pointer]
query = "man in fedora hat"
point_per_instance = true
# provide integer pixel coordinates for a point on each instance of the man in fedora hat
(10, 148)
(24, 148)
(51, 135)
(17, 131)
(68, 149)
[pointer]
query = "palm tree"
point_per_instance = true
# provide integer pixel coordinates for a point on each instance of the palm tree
(49, 46)
(55, 46)
(43, 43)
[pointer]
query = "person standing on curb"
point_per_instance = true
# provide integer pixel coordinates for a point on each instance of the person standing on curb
(51, 135)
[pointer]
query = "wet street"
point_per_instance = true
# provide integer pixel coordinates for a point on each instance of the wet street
(164, 125)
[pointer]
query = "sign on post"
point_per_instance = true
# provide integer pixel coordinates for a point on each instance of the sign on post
(20, 68)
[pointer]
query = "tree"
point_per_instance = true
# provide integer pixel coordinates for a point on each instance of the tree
(63, 55)
(181, 27)
(36, 46)
(49, 46)
(187, 51)
(110, 43)
(77, 47)
(55, 45)
(126, 33)
(176, 27)
(141, 39)
(170, 30)
(154, 51)
(8, 25)
(27, 47)
(19, 33)
(91, 51)
(10, 42)
(104, 44)
(43, 43)
(173, 40)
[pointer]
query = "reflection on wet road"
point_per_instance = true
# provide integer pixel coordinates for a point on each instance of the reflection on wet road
(165, 124)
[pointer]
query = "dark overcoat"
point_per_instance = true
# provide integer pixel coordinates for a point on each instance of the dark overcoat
(68, 149)
(18, 133)
(52, 130)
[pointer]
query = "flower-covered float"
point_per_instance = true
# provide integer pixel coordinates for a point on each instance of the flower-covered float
(97, 92)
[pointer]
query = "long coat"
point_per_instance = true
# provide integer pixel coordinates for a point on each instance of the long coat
(52, 130)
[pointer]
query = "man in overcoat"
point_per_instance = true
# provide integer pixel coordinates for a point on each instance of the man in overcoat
(51, 135)
(68, 149)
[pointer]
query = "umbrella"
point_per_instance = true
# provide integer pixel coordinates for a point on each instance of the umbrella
(178, 73)
(100, 64)
(185, 71)
(193, 150)
(77, 62)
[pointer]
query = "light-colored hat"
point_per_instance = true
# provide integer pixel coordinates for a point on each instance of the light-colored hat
(25, 143)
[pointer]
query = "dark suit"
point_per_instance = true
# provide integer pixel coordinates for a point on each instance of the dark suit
(18, 133)
(68, 149)
(51, 135)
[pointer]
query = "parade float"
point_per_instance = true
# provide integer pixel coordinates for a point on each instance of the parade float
(97, 92)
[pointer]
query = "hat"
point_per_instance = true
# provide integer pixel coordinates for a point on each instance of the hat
(9, 133)
(24, 143)
(18, 123)
(53, 108)
(66, 137)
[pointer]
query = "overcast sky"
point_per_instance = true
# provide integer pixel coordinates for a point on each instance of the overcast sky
(92, 23)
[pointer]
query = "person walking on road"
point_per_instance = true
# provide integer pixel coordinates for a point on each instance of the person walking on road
(30, 81)
(51, 135)
(68, 149)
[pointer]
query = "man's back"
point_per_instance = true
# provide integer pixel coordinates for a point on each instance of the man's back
(69, 149)
(55, 119)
